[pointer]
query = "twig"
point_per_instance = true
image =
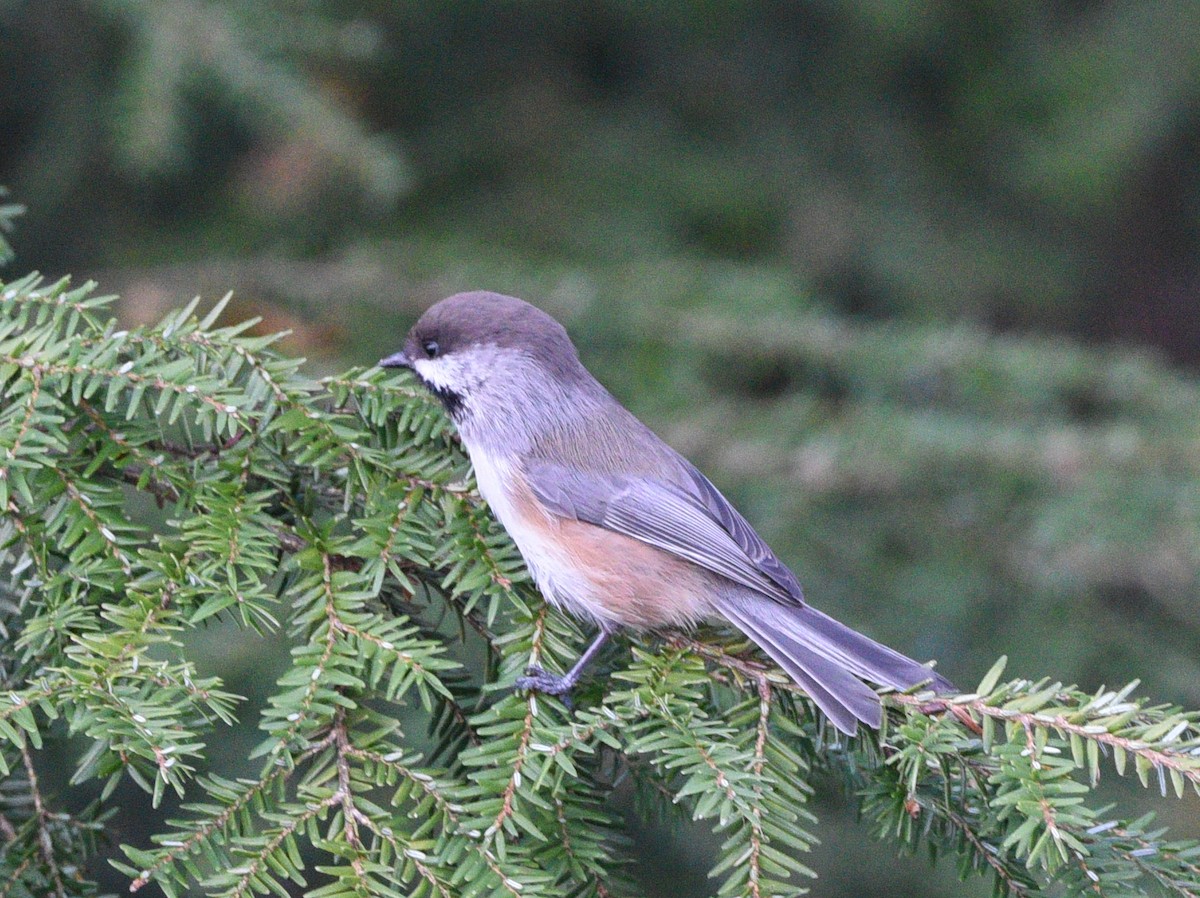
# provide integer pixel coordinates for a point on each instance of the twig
(983, 851)
(45, 842)
(1183, 764)
(217, 823)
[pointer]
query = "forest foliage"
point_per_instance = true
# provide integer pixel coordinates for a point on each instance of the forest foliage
(340, 511)
(900, 277)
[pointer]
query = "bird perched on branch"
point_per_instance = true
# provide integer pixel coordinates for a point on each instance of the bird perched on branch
(615, 526)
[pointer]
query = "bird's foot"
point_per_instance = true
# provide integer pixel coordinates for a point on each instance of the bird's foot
(540, 680)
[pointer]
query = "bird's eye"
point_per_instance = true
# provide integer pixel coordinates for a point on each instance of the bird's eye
(431, 348)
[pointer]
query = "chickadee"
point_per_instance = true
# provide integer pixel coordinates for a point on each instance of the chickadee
(615, 526)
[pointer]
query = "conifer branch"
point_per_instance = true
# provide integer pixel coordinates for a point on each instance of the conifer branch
(41, 818)
(178, 848)
(525, 736)
(761, 730)
(16, 875)
(253, 877)
(345, 506)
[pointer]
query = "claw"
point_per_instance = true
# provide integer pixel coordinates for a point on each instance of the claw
(539, 680)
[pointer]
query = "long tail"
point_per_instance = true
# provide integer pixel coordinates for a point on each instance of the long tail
(827, 658)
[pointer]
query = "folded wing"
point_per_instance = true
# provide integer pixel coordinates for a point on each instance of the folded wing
(695, 522)
(702, 528)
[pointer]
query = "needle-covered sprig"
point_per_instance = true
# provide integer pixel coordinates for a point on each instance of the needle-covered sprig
(155, 480)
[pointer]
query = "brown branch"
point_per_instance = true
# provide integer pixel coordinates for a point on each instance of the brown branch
(245, 885)
(14, 878)
(989, 856)
(402, 656)
(429, 787)
(1160, 875)
(331, 631)
(55, 297)
(1185, 765)
(218, 823)
(510, 788)
(759, 763)
(352, 817)
(401, 851)
(85, 506)
(41, 817)
(162, 491)
(157, 382)
(27, 420)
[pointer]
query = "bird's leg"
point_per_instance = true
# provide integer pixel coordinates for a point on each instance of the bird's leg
(540, 681)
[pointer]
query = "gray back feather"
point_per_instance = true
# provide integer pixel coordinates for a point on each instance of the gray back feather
(626, 479)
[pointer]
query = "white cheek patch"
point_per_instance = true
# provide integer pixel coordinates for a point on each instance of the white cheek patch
(465, 371)
(444, 373)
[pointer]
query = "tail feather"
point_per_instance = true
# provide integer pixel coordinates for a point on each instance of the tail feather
(860, 654)
(828, 659)
(843, 698)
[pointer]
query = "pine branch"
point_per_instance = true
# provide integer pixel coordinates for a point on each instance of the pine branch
(340, 512)
(178, 848)
(1157, 737)
(436, 792)
(45, 842)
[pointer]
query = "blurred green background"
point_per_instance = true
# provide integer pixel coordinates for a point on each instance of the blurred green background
(915, 282)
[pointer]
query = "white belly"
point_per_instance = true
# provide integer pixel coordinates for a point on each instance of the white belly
(560, 582)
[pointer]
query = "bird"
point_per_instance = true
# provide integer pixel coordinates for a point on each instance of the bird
(615, 526)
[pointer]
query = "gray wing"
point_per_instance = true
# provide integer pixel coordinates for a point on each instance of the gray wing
(696, 524)
(743, 534)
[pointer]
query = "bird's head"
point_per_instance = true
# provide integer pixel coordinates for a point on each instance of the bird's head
(484, 353)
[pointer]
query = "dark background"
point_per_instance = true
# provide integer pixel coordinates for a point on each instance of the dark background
(915, 282)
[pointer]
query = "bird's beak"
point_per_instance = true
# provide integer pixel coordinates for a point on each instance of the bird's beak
(398, 360)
